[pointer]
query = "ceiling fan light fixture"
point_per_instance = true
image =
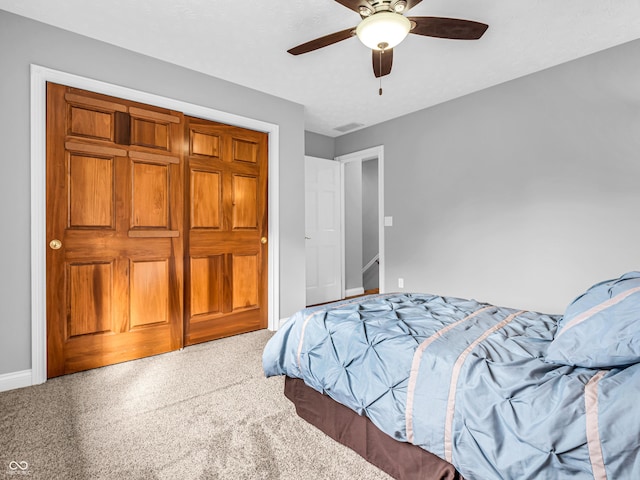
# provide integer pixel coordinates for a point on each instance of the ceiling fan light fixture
(383, 30)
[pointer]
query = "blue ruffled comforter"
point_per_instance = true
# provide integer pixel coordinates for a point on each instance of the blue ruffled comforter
(468, 382)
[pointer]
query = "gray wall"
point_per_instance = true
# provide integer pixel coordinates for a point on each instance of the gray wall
(522, 194)
(321, 146)
(23, 42)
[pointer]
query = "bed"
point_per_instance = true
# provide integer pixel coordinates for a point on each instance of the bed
(486, 392)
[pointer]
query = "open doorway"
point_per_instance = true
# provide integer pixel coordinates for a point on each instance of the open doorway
(363, 222)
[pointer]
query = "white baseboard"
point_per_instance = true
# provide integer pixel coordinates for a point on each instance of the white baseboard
(278, 324)
(11, 381)
(352, 292)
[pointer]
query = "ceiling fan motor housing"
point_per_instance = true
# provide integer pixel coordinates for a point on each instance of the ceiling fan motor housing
(387, 5)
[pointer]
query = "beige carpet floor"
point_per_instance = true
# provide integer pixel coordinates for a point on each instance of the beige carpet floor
(206, 412)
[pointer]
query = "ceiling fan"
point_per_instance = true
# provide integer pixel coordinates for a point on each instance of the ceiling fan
(383, 26)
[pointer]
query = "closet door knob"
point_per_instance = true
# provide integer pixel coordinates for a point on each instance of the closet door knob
(263, 240)
(55, 244)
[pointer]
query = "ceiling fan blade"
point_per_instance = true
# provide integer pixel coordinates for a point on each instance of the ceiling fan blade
(454, 28)
(411, 4)
(382, 62)
(356, 4)
(322, 42)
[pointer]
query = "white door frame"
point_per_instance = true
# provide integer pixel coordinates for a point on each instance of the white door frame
(362, 155)
(39, 77)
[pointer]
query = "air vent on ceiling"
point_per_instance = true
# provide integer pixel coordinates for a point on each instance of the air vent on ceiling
(348, 127)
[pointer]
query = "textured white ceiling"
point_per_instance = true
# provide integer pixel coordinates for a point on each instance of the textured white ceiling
(245, 42)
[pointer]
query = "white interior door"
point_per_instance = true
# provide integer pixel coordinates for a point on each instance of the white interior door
(323, 230)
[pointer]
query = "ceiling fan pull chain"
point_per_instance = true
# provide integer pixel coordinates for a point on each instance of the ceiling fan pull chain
(380, 89)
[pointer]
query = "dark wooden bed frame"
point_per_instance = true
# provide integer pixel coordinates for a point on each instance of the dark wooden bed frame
(401, 460)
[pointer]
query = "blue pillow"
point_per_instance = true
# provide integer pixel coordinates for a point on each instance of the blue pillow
(601, 327)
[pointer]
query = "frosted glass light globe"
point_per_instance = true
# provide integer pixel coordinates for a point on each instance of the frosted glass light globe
(383, 30)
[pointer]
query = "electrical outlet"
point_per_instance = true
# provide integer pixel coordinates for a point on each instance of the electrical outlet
(401, 283)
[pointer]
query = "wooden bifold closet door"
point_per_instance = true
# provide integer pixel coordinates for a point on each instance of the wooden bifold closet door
(127, 185)
(227, 235)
